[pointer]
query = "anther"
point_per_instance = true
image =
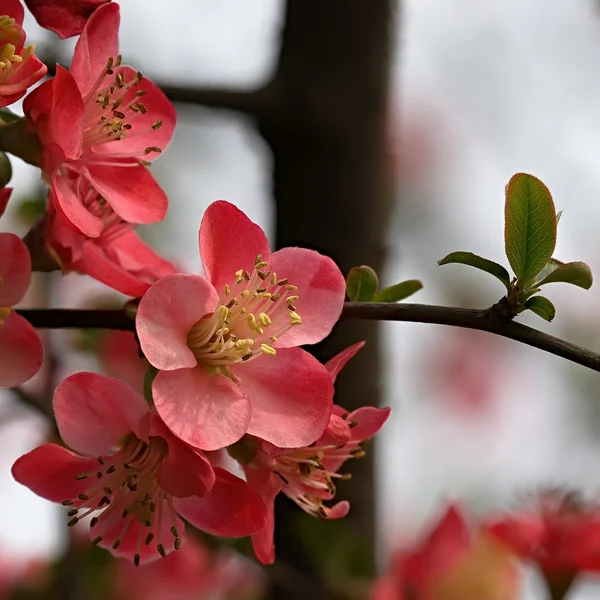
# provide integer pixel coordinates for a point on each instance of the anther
(174, 531)
(177, 543)
(157, 125)
(72, 512)
(82, 497)
(291, 288)
(161, 550)
(96, 540)
(149, 538)
(101, 460)
(81, 476)
(73, 521)
(67, 502)
(93, 521)
(136, 560)
(264, 319)
(111, 469)
(116, 544)
(268, 349)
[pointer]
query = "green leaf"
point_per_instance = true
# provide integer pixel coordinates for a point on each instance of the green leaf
(575, 273)
(542, 307)
(489, 266)
(361, 284)
(530, 226)
(399, 291)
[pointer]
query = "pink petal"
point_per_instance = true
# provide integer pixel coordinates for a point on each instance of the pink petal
(321, 292)
(291, 395)
(338, 362)
(142, 135)
(369, 421)
(98, 42)
(95, 263)
(208, 412)
(65, 127)
(4, 198)
(186, 471)
(339, 510)
(15, 269)
(167, 312)
(131, 191)
(232, 509)
(50, 471)
(65, 17)
(94, 412)
(31, 71)
(111, 527)
(14, 9)
(337, 432)
(229, 241)
(20, 351)
(70, 207)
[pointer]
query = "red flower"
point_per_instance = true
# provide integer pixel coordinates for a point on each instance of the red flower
(117, 257)
(225, 344)
(64, 17)
(450, 564)
(307, 475)
(99, 125)
(561, 534)
(20, 347)
(4, 198)
(19, 67)
(142, 479)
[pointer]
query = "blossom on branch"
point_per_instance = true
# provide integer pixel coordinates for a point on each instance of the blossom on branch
(308, 475)
(452, 563)
(65, 17)
(20, 347)
(99, 125)
(20, 68)
(226, 344)
(131, 475)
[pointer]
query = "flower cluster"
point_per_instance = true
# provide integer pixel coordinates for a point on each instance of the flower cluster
(226, 375)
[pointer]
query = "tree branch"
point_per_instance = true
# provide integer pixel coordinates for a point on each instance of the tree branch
(489, 320)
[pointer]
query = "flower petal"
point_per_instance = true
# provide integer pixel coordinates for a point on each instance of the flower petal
(50, 471)
(98, 42)
(167, 312)
(95, 412)
(232, 509)
(66, 18)
(291, 395)
(321, 292)
(4, 198)
(186, 471)
(337, 433)
(20, 351)
(207, 412)
(131, 191)
(15, 269)
(14, 9)
(229, 241)
(338, 362)
(369, 420)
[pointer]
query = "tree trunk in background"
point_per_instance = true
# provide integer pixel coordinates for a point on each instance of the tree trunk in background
(327, 134)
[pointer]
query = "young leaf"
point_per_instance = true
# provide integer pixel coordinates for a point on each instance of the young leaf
(530, 226)
(576, 273)
(361, 284)
(398, 292)
(542, 307)
(468, 258)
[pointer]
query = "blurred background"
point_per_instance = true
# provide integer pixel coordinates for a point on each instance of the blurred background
(382, 135)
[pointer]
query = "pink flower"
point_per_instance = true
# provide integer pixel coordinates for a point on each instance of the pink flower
(142, 479)
(117, 257)
(307, 475)
(20, 347)
(65, 17)
(450, 564)
(19, 67)
(99, 125)
(225, 344)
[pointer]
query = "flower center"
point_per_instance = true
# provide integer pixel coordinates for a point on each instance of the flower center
(111, 106)
(125, 488)
(253, 313)
(12, 54)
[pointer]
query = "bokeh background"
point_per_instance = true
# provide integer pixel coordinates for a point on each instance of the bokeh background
(479, 90)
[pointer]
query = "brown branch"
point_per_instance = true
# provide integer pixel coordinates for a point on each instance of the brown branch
(470, 318)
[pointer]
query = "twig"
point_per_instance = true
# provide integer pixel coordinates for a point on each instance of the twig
(488, 320)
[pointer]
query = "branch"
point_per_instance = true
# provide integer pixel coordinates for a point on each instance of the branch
(489, 320)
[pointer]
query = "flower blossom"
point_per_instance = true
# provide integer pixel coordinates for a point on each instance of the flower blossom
(20, 68)
(117, 257)
(132, 475)
(561, 534)
(307, 475)
(451, 564)
(20, 347)
(65, 17)
(226, 344)
(99, 125)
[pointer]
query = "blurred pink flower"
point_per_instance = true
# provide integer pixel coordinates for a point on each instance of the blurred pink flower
(20, 347)
(226, 345)
(142, 479)
(65, 17)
